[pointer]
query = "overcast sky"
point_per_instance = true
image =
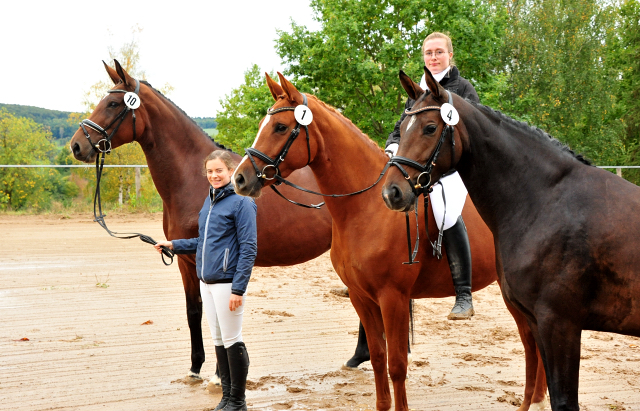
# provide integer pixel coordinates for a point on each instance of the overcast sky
(51, 52)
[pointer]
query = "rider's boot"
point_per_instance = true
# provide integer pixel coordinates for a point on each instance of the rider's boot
(239, 368)
(456, 244)
(362, 350)
(225, 376)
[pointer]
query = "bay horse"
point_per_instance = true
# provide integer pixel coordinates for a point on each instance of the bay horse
(369, 243)
(175, 148)
(564, 231)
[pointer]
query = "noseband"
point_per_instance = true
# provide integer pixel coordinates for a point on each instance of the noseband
(104, 144)
(425, 170)
(274, 163)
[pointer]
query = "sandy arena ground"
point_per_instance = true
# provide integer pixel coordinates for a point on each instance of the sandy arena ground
(88, 322)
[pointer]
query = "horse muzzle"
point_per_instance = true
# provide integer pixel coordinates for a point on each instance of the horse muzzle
(246, 183)
(397, 199)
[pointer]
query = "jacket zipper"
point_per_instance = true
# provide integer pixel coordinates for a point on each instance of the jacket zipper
(204, 241)
(226, 260)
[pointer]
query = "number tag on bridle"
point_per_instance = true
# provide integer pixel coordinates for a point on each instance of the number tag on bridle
(132, 100)
(303, 115)
(449, 114)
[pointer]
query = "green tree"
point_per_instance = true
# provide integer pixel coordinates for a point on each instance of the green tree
(242, 111)
(557, 76)
(23, 141)
(352, 62)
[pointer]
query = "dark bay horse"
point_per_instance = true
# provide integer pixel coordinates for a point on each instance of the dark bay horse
(565, 232)
(175, 147)
(369, 244)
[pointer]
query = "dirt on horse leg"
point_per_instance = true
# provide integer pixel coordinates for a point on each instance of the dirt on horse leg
(371, 318)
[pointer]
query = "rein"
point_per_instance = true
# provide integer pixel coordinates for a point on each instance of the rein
(425, 188)
(103, 146)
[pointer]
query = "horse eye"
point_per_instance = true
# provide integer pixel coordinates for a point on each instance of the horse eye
(281, 128)
(113, 104)
(430, 129)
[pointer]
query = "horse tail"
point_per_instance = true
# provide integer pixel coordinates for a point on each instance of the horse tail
(411, 320)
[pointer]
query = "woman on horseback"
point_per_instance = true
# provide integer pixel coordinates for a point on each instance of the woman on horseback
(225, 252)
(437, 51)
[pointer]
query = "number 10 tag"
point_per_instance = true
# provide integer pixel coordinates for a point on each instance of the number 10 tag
(449, 114)
(132, 100)
(303, 115)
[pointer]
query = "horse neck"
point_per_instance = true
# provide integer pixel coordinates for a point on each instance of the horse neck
(346, 161)
(508, 169)
(174, 147)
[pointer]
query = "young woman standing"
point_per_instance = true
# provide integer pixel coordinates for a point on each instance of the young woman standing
(225, 250)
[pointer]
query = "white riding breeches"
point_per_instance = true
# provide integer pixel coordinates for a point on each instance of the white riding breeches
(455, 195)
(226, 325)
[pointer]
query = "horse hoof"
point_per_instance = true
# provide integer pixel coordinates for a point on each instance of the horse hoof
(194, 376)
(215, 380)
(340, 292)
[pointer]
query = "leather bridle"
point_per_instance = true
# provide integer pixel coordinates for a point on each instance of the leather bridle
(103, 146)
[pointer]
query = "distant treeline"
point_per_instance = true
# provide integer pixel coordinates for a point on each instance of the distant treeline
(57, 121)
(54, 119)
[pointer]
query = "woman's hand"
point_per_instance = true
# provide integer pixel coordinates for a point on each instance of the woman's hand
(167, 244)
(235, 301)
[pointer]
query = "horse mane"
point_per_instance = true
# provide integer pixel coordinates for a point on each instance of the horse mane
(146, 83)
(532, 130)
(349, 122)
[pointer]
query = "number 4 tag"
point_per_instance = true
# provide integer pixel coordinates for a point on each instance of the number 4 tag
(449, 114)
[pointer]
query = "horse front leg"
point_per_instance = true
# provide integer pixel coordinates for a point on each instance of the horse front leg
(395, 314)
(558, 340)
(371, 319)
(194, 314)
(535, 388)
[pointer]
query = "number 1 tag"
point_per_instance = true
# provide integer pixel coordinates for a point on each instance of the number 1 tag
(303, 115)
(449, 114)
(132, 100)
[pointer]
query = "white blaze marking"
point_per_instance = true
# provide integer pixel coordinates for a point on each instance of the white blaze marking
(411, 121)
(264, 123)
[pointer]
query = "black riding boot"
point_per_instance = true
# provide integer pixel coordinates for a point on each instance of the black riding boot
(456, 244)
(362, 350)
(239, 368)
(224, 374)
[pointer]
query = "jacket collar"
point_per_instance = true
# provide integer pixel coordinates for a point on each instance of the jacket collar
(221, 192)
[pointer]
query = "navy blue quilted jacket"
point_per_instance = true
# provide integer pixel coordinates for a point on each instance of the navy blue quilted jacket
(227, 241)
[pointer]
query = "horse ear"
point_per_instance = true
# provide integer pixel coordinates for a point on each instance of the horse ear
(435, 87)
(290, 90)
(126, 78)
(276, 90)
(112, 73)
(414, 91)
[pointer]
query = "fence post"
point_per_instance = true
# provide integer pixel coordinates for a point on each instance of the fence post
(137, 171)
(619, 172)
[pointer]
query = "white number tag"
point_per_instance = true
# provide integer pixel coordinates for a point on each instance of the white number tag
(449, 114)
(132, 100)
(303, 115)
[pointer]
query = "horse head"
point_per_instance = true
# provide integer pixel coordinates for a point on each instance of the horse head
(110, 125)
(283, 143)
(429, 147)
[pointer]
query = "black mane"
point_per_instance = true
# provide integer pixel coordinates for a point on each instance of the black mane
(146, 83)
(544, 136)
